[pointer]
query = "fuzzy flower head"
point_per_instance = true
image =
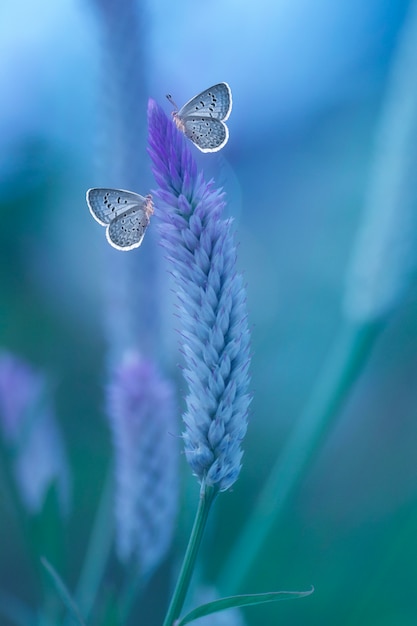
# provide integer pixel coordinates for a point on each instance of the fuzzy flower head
(211, 301)
(31, 434)
(141, 411)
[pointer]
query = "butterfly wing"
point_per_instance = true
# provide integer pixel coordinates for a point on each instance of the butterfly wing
(207, 133)
(214, 102)
(106, 204)
(127, 230)
(125, 213)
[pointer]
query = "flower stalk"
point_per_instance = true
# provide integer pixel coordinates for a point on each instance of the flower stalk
(207, 496)
(211, 298)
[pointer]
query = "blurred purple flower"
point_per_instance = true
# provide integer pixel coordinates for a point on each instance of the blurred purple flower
(31, 434)
(212, 305)
(120, 153)
(141, 409)
(122, 102)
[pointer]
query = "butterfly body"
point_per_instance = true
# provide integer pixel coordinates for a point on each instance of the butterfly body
(202, 118)
(125, 215)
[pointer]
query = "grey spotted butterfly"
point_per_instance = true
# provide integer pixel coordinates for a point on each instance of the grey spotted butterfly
(202, 118)
(125, 214)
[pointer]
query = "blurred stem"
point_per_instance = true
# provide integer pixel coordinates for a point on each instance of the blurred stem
(391, 559)
(207, 496)
(341, 369)
(39, 533)
(98, 550)
(20, 513)
(128, 596)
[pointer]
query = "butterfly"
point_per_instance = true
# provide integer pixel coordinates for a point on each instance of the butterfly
(202, 118)
(125, 214)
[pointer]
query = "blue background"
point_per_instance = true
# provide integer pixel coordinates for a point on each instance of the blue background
(308, 82)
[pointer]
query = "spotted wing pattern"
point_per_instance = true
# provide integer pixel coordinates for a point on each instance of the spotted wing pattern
(208, 134)
(127, 231)
(125, 214)
(213, 102)
(202, 118)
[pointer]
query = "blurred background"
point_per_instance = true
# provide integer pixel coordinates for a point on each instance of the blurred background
(310, 82)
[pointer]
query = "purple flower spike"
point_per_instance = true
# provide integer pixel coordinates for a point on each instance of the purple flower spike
(212, 305)
(30, 432)
(142, 413)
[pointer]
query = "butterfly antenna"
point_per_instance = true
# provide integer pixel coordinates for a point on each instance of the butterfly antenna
(170, 99)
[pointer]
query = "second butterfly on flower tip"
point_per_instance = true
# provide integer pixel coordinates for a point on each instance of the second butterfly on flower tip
(202, 118)
(125, 214)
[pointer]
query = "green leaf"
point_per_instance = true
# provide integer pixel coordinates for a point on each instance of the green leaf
(244, 600)
(63, 592)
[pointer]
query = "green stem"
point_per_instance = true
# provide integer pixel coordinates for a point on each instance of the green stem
(207, 496)
(341, 369)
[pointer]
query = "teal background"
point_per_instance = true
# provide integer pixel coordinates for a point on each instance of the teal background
(309, 82)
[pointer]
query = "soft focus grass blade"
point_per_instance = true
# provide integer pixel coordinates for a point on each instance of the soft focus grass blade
(342, 368)
(63, 592)
(99, 547)
(239, 601)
